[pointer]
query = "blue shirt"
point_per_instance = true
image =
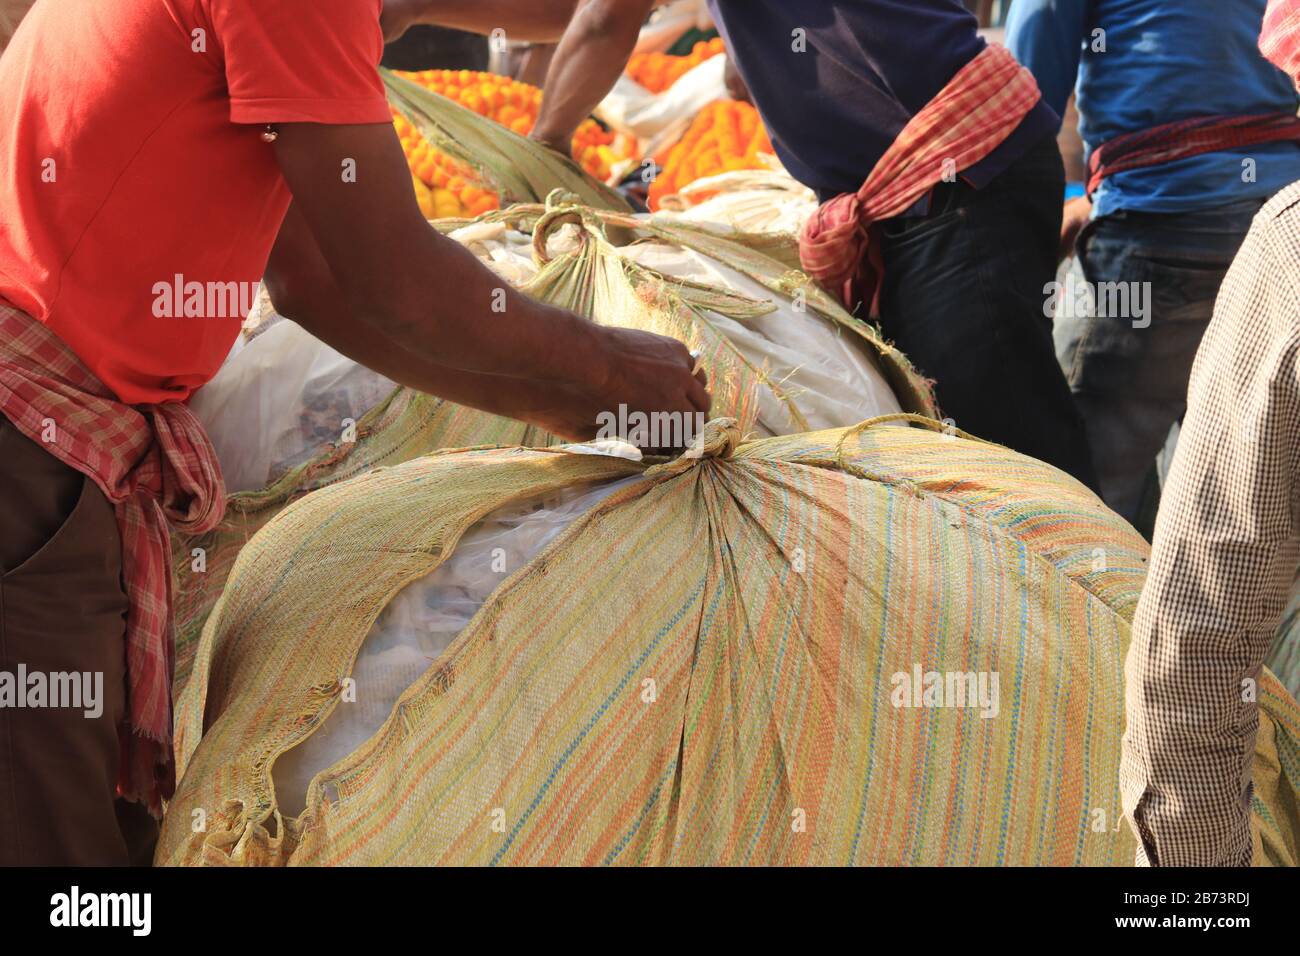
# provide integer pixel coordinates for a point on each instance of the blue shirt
(866, 67)
(1164, 60)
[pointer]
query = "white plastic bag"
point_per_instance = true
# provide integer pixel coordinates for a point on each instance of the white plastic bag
(278, 400)
(751, 200)
(824, 369)
(657, 119)
(421, 622)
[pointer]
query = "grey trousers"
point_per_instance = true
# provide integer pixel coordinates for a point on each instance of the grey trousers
(1127, 352)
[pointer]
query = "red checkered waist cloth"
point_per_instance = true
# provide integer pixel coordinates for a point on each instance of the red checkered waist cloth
(1185, 139)
(156, 466)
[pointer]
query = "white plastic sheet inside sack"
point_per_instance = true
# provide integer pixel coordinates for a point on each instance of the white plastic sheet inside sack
(752, 210)
(657, 119)
(422, 621)
(278, 400)
(507, 252)
(826, 370)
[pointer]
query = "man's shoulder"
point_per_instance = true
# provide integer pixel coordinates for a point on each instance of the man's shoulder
(1278, 225)
(1267, 266)
(1283, 207)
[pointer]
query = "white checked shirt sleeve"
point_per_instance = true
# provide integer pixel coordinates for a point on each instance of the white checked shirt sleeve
(1224, 558)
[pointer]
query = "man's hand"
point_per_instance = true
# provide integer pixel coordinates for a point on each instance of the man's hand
(1076, 215)
(642, 371)
(593, 53)
(649, 372)
(562, 146)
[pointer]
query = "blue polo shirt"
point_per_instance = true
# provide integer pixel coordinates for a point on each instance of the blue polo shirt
(837, 80)
(1163, 60)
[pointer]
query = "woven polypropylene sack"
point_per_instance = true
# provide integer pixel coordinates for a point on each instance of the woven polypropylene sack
(593, 276)
(714, 665)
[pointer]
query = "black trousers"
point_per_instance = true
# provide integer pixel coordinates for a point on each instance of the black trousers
(965, 297)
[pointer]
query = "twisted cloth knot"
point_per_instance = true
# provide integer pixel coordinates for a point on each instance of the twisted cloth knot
(718, 440)
(970, 117)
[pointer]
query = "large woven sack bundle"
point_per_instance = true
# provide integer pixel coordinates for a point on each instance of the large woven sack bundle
(288, 415)
(873, 645)
(283, 395)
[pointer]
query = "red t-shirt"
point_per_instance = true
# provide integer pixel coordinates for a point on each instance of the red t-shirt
(132, 167)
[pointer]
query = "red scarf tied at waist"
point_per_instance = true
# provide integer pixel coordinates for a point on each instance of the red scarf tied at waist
(1185, 139)
(972, 116)
(156, 465)
(1279, 40)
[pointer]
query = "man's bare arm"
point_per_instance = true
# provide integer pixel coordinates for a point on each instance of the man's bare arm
(303, 289)
(594, 51)
(352, 187)
(425, 295)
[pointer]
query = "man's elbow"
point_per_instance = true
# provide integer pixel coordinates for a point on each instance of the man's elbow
(306, 297)
(302, 300)
(290, 295)
(392, 305)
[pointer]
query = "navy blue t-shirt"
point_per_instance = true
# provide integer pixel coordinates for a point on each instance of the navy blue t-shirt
(867, 67)
(1163, 61)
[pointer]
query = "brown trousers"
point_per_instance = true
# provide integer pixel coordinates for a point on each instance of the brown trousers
(62, 610)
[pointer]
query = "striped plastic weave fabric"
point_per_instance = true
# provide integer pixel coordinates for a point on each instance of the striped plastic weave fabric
(715, 665)
(594, 281)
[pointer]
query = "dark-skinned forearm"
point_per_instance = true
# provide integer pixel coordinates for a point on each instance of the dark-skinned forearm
(326, 317)
(422, 291)
(303, 289)
(593, 53)
(483, 323)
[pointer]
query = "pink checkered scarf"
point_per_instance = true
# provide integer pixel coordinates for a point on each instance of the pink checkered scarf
(156, 465)
(1279, 41)
(974, 114)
